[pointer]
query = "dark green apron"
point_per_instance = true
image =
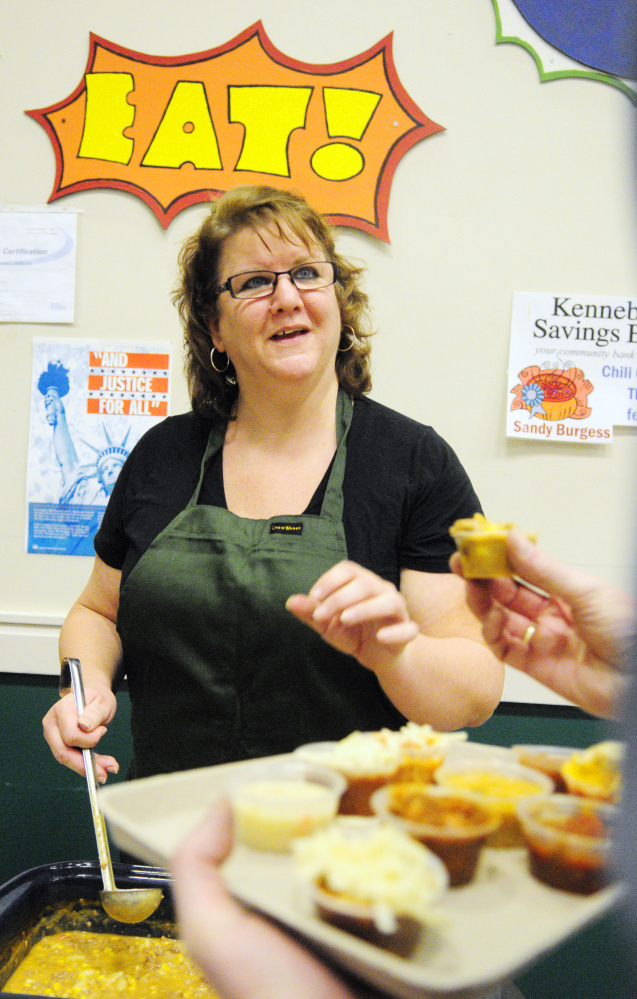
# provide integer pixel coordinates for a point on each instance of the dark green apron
(218, 669)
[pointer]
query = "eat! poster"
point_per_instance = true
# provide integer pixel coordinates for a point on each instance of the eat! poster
(90, 404)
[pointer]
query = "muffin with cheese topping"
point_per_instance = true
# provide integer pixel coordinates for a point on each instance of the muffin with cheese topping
(595, 772)
(365, 761)
(499, 785)
(453, 824)
(482, 547)
(368, 760)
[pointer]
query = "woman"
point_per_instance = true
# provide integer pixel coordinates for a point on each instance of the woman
(272, 567)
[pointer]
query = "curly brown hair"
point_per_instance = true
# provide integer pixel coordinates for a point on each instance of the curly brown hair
(195, 296)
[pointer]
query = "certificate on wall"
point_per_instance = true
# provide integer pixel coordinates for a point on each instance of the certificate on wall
(37, 266)
(90, 403)
(572, 367)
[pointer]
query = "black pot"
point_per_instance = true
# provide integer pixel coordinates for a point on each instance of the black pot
(59, 897)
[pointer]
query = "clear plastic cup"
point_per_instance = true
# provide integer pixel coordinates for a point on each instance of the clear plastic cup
(277, 801)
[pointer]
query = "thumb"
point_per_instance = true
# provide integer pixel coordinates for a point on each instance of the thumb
(542, 570)
(209, 843)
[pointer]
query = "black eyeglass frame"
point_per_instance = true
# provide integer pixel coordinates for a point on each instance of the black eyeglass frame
(227, 285)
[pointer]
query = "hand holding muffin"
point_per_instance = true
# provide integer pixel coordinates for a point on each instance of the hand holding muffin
(570, 635)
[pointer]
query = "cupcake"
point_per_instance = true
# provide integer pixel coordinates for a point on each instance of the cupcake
(499, 785)
(570, 841)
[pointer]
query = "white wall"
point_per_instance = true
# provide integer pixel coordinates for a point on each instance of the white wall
(530, 188)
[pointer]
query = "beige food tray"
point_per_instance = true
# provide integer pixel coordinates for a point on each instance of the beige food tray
(488, 931)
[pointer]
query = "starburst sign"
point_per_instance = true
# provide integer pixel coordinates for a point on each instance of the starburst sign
(174, 130)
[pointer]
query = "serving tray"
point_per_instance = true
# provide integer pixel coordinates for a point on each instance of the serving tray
(487, 931)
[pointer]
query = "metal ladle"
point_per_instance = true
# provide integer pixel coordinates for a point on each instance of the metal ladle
(126, 905)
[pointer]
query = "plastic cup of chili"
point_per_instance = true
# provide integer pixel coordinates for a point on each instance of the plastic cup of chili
(453, 825)
(569, 841)
(548, 760)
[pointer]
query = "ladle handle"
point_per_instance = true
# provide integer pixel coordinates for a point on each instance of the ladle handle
(71, 680)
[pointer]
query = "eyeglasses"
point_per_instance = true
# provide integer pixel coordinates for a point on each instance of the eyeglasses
(260, 284)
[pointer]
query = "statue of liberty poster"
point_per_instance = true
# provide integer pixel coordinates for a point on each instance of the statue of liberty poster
(90, 404)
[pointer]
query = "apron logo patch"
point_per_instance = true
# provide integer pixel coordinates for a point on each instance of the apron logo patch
(286, 528)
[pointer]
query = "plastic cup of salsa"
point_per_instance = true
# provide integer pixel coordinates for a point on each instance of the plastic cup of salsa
(569, 841)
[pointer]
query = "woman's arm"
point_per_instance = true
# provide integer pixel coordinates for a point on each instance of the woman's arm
(90, 635)
(421, 641)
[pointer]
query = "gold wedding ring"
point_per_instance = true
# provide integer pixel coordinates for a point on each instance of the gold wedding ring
(528, 635)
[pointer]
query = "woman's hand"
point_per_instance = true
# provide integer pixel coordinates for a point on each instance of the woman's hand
(243, 955)
(421, 641)
(90, 635)
(571, 638)
(357, 612)
(67, 734)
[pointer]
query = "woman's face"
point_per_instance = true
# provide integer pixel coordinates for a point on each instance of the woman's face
(290, 335)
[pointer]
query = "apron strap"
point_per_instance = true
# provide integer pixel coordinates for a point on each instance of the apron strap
(215, 441)
(332, 506)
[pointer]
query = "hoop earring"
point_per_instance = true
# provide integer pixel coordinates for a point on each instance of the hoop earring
(219, 371)
(343, 350)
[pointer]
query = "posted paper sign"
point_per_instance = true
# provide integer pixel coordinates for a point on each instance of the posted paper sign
(37, 266)
(572, 367)
(90, 403)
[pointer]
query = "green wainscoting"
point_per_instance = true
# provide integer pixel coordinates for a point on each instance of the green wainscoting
(45, 816)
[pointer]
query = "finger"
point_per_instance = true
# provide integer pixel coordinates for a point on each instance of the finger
(479, 598)
(67, 756)
(501, 624)
(73, 735)
(105, 765)
(493, 625)
(301, 606)
(540, 569)
(92, 719)
(208, 844)
(62, 752)
(456, 565)
(398, 634)
(388, 605)
(520, 599)
(336, 577)
(357, 590)
(73, 758)
(87, 729)
(98, 711)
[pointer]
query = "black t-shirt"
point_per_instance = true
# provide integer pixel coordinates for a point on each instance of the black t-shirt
(403, 488)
